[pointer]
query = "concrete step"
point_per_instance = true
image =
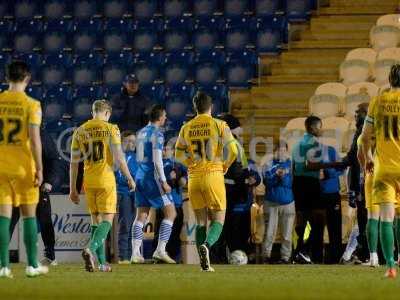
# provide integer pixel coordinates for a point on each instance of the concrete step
(325, 34)
(283, 92)
(298, 79)
(341, 3)
(352, 9)
(304, 69)
(343, 22)
(314, 57)
(329, 44)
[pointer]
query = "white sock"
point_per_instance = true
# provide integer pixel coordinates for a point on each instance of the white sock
(137, 238)
(164, 234)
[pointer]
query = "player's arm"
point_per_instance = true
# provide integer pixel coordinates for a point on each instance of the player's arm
(35, 119)
(366, 137)
(230, 148)
(73, 168)
(181, 150)
(157, 145)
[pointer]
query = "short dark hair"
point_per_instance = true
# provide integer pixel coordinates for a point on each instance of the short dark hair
(127, 133)
(155, 112)
(202, 102)
(17, 71)
(394, 76)
(311, 121)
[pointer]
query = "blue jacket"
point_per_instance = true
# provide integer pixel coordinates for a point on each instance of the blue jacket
(305, 149)
(122, 185)
(279, 190)
(330, 184)
(181, 171)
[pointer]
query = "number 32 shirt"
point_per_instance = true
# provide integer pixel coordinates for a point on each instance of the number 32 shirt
(94, 140)
(17, 112)
(384, 115)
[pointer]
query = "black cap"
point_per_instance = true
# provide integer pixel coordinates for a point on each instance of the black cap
(131, 78)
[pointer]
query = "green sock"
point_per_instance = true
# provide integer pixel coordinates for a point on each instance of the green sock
(372, 235)
(99, 236)
(4, 241)
(30, 240)
(213, 233)
(397, 231)
(387, 242)
(201, 234)
(101, 251)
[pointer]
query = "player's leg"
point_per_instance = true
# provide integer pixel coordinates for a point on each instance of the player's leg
(397, 230)
(373, 235)
(387, 211)
(104, 227)
(137, 231)
(271, 211)
(165, 233)
(100, 251)
(5, 219)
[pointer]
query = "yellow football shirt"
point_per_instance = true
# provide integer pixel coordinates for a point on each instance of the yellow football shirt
(201, 143)
(384, 114)
(17, 112)
(94, 140)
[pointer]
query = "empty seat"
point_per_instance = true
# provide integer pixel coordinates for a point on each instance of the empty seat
(35, 92)
(206, 73)
(153, 24)
(5, 58)
(216, 57)
(144, 40)
(53, 110)
(93, 26)
(353, 100)
(61, 94)
(392, 19)
(56, 9)
(238, 74)
(54, 75)
(371, 88)
(237, 39)
(389, 53)
(366, 54)
(186, 57)
(146, 73)
(175, 40)
(293, 131)
(85, 42)
(175, 8)
(26, 9)
(5, 9)
(59, 25)
(355, 70)
(248, 57)
(176, 73)
(34, 60)
(209, 22)
(298, 10)
(113, 74)
(85, 75)
(205, 39)
(115, 41)
(156, 93)
(55, 41)
(120, 58)
(91, 59)
(85, 9)
(120, 25)
(332, 88)
(235, 8)
(335, 132)
(266, 8)
(271, 33)
(26, 42)
(82, 110)
(116, 8)
(6, 26)
(382, 69)
(203, 8)
(176, 108)
(144, 9)
(219, 94)
(384, 36)
(156, 58)
(89, 93)
(324, 105)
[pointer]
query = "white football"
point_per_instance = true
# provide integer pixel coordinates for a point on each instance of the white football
(238, 257)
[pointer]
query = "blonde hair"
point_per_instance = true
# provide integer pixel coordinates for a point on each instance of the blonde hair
(102, 105)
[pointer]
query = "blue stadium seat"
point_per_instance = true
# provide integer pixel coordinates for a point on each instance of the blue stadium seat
(31, 26)
(176, 73)
(53, 110)
(121, 25)
(90, 93)
(26, 42)
(183, 91)
(213, 22)
(298, 10)
(116, 8)
(122, 58)
(184, 24)
(85, 9)
(206, 73)
(247, 57)
(85, 75)
(147, 73)
(6, 26)
(35, 92)
(5, 58)
(184, 57)
(113, 74)
(176, 108)
(5, 42)
(6, 9)
(60, 25)
(175, 8)
(205, 39)
(237, 39)
(156, 58)
(153, 24)
(54, 75)
(35, 61)
(59, 59)
(63, 94)
(271, 33)
(55, 41)
(267, 8)
(203, 8)
(216, 57)
(238, 74)
(115, 41)
(82, 110)
(85, 42)
(144, 9)
(175, 40)
(91, 59)
(219, 94)
(56, 9)
(26, 9)
(112, 91)
(94, 26)
(156, 92)
(235, 8)
(144, 40)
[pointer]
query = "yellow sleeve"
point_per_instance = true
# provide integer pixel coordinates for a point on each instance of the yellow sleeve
(372, 111)
(115, 135)
(181, 149)
(35, 113)
(229, 146)
(75, 141)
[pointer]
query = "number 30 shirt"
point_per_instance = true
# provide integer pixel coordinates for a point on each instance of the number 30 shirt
(94, 140)
(205, 145)
(384, 115)
(17, 112)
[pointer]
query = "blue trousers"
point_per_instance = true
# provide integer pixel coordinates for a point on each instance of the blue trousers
(126, 216)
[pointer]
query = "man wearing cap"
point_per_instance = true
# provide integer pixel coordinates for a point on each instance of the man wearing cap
(130, 106)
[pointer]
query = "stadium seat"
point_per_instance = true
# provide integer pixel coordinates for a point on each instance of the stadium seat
(183, 91)
(216, 57)
(35, 92)
(298, 10)
(59, 25)
(85, 42)
(206, 73)
(153, 24)
(53, 110)
(385, 60)
(205, 39)
(85, 9)
(384, 36)
(112, 91)
(156, 58)
(82, 110)
(6, 9)
(237, 39)
(389, 53)
(175, 8)
(353, 100)
(54, 75)
(85, 75)
(358, 65)
(184, 24)
(144, 9)
(156, 92)
(271, 33)
(205, 8)
(248, 57)
(392, 19)
(91, 59)
(93, 26)
(332, 88)
(238, 74)
(116, 8)
(366, 54)
(147, 73)
(56, 9)
(62, 94)
(325, 105)
(267, 8)
(293, 131)
(144, 40)
(113, 74)
(35, 61)
(121, 25)
(26, 9)
(121, 58)
(5, 43)
(335, 132)
(219, 94)
(55, 41)
(212, 23)
(176, 108)
(5, 58)
(90, 93)
(176, 73)
(371, 88)
(175, 40)
(235, 8)
(186, 57)
(31, 26)
(115, 41)
(26, 42)
(6, 26)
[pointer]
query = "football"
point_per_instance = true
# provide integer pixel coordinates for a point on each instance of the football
(238, 257)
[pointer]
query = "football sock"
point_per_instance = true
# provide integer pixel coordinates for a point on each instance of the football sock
(165, 233)
(387, 242)
(4, 241)
(201, 234)
(372, 234)
(351, 244)
(99, 236)
(137, 237)
(101, 251)
(30, 240)
(397, 231)
(213, 233)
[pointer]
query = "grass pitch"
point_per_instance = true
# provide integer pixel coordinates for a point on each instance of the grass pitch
(187, 282)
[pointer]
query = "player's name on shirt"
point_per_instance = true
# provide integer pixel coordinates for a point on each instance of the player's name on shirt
(390, 107)
(199, 130)
(94, 132)
(11, 110)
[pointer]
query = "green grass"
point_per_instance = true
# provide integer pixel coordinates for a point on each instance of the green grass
(187, 282)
